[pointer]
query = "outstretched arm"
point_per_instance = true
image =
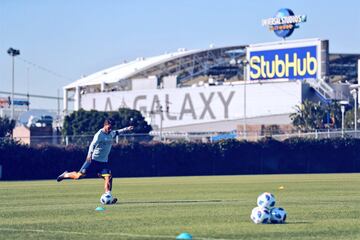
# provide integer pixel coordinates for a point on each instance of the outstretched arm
(122, 130)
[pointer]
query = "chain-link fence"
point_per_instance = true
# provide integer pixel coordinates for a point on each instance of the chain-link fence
(166, 137)
(318, 134)
(80, 140)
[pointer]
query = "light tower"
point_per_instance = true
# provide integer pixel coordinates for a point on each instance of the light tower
(13, 52)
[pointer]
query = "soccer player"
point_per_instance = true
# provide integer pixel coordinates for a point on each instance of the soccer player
(97, 158)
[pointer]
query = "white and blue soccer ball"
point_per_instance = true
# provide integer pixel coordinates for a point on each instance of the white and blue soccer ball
(277, 215)
(106, 198)
(260, 215)
(266, 200)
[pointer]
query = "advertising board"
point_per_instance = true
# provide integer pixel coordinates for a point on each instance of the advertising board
(291, 60)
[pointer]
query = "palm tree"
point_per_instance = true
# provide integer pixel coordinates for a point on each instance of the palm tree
(349, 119)
(310, 116)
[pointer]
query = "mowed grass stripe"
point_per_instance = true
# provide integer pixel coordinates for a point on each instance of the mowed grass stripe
(319, 207)
(104, 234)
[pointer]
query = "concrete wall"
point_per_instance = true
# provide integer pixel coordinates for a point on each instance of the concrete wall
(144, 83)
(170, 82)
(203, 105)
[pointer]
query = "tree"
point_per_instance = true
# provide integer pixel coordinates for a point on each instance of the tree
(133, 118)
(6, 126)
(310, 116)
(350, 119)
(333, 115)
(88, 122)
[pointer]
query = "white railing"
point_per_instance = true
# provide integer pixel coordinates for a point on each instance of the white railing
(323, 88)
(85, 140)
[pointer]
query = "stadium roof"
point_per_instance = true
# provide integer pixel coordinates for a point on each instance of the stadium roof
(143, 67)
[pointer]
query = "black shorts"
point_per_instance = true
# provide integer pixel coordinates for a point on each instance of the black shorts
(95, 169)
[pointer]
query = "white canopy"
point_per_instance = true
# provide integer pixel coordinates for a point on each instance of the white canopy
(127, 70)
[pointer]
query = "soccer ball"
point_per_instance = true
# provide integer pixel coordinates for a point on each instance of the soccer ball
(106, 198)
(266, 200)
(260, 215)
(277, 215)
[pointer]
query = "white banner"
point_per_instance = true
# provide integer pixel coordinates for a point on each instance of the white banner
(184, 106)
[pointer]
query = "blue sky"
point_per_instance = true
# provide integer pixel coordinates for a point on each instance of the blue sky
(74, 38)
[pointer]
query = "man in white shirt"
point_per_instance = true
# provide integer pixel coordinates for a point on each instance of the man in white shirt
(97, 158)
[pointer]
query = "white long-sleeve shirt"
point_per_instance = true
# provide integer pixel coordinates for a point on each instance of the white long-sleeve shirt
(101, 144)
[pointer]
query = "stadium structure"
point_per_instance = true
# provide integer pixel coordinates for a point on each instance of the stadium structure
(220, 88)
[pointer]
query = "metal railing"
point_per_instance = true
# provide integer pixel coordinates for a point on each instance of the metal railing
(324, 89)
(319, 134)
(166, 137)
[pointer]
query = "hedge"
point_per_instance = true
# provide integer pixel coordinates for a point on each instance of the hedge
(21, 162)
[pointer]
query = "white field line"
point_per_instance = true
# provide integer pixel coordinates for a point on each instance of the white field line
(128, 203)
(102, 234)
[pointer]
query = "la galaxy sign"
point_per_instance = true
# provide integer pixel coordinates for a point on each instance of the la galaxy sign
(187, 106)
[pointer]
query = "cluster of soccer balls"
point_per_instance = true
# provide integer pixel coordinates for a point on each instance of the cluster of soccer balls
(266, 212)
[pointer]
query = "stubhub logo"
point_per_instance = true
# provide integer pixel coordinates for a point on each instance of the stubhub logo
(291, 63)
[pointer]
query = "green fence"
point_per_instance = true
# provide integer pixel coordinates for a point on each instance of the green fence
(296, 155)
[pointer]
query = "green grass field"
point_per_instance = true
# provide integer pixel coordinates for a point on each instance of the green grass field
(218, 207)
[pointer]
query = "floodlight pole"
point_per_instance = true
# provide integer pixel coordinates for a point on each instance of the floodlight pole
(244, 64)
(160, 112)
(13, 52)
(244, 127)
(355, 95)
(12, 88)
(161, 122)
(355, 92)
(342, 120)
(343, 103)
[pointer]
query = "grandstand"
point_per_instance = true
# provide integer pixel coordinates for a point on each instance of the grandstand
(187, 65)
(343, 67)
(204, 90)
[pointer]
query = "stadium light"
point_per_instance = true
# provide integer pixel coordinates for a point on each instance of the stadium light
(13, 52)
(160, 111)
(161, 121)
(342, 106)
(244, 64)
(354, 93)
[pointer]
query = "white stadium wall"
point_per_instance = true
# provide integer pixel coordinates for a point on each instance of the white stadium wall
(279, 76)
(199, 105)
(145, 83)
